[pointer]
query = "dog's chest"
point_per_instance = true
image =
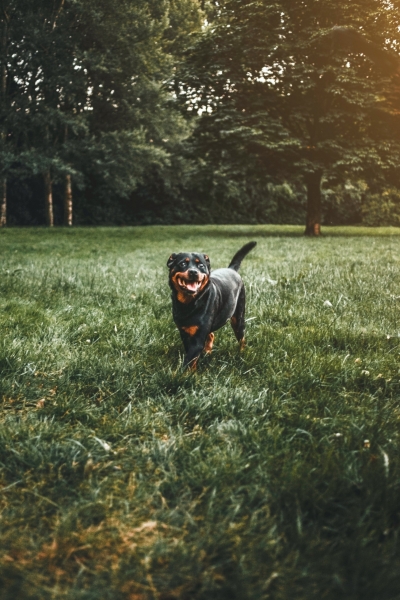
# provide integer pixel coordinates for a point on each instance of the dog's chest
(215, 306)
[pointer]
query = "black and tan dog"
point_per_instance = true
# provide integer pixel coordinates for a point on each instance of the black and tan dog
(202, 301)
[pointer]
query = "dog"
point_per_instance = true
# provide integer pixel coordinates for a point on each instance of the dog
(203, 301)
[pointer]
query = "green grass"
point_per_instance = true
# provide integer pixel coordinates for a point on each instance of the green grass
(271, 473)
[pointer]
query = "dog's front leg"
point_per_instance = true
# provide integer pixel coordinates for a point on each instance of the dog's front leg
(193, 346)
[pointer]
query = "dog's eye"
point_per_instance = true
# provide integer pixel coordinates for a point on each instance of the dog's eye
(183, 264)
(201, 266)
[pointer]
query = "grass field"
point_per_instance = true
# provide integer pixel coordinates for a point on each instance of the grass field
(271, 473)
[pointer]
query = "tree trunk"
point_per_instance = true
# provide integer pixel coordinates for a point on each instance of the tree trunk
(3, 134)
(48, 185)
(4, 42)
(3, 202)
(313, 219)
(68, 205)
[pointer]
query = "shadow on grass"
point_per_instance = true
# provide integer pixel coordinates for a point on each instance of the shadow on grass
(171, 383)
(290, 231)
(214, 230)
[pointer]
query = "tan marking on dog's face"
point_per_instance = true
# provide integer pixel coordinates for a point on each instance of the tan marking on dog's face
(204, 282)
(187, 288)
(192, 330)
(209, 343)
(183, 298)
(180, 293)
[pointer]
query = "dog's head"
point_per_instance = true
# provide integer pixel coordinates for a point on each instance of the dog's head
(189, 273)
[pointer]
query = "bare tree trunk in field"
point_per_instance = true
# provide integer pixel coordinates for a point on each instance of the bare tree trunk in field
(3, 202)
(68, 204)
(48, 185)
(313, 219)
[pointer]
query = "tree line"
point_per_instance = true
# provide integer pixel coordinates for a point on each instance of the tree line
(189, 109)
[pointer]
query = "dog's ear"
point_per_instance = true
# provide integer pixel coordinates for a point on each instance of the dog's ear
(170, 261)
(207, 261)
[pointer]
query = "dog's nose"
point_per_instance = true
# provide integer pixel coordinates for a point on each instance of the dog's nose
(192, 273)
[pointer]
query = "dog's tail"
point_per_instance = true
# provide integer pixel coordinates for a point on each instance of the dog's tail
(239, 256)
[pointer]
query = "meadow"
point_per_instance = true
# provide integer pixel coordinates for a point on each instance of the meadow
(271, 473)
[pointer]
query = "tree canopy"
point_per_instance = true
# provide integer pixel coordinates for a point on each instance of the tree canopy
(84, 89)
(228, 102)
(285, 92)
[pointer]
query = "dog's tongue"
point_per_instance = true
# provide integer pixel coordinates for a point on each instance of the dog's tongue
(192, 285)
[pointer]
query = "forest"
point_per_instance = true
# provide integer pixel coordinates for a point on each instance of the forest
(199, 111)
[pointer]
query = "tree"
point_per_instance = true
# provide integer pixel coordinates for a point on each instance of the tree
(3, 133)
(38, 68)
(6, 157)
(89, 93)
(278, 97)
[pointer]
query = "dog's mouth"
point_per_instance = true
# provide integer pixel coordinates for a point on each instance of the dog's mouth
(189, 286)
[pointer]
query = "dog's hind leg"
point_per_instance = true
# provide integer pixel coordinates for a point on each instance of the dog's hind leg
(209, 343)
(237, 319)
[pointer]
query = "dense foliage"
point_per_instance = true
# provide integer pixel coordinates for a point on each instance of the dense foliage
(84, 94)
(284, 95)
(174, 110)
